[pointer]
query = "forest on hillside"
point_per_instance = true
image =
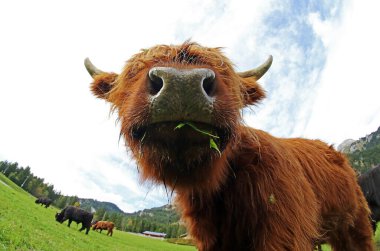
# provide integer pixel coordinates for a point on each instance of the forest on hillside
(364, 153)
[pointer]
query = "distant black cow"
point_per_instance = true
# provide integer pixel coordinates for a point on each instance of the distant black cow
(44, 201)
(76, 214)
(370, 184)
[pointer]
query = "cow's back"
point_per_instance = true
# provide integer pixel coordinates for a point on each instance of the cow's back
(78, 215)
(324, 166)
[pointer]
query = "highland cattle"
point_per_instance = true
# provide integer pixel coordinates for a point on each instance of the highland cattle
(104, 225)
(238, 188)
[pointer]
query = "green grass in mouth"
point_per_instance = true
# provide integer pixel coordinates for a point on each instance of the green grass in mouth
(213, 144)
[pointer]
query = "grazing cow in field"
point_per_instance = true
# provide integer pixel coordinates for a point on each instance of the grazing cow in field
(76, 214)
(104, 225)
(44, 201)
(370, 184)
(238, 188)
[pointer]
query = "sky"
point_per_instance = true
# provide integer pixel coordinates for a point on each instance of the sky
(323, 83)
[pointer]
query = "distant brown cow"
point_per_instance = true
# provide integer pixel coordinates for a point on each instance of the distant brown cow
(238, 188)
(104, 225)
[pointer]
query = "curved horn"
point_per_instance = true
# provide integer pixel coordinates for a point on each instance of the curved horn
(92, 70)
(258, 72)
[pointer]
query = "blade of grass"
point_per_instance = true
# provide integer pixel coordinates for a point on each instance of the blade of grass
(213, 145)
(180, 125)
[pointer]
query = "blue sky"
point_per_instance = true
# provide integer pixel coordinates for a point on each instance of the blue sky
(322, 84)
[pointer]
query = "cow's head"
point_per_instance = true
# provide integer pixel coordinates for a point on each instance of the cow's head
(59, 217)
(189, 85)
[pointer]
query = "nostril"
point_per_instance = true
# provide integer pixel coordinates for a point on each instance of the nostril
(209, 85)
(155, 82)
(156, 85)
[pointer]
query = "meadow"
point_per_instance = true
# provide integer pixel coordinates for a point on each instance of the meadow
(25, 225)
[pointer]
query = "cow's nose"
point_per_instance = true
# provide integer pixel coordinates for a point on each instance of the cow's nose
(182, 94)
(183, 79)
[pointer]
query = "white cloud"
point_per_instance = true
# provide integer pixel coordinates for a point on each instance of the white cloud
(293, 77)
(347, 103)
(323, 28)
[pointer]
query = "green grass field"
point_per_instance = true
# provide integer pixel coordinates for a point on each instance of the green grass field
(25, 225)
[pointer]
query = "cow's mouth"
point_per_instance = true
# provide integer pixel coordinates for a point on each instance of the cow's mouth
(179, 135)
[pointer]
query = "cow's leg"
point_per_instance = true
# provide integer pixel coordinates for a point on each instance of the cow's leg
(341, 242)
(88, 229)
(354, 237)
(375, 216)
(373, 223)
(83, 228)
(70, 220)
(319, 247)
(361, 232)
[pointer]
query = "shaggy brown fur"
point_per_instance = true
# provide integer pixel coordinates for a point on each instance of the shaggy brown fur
(263, 192)
(104, 225)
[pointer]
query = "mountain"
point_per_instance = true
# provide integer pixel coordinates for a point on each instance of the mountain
(163, 219)
(345, 145)
(94, 205)
(163, 215)
(166, 214)
(363, 153)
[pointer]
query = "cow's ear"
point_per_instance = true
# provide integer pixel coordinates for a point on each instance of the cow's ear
(103, 81)
(252, 92)
(103, 84)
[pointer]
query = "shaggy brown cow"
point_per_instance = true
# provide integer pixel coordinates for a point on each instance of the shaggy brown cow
(239, 188)
(104, 225)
